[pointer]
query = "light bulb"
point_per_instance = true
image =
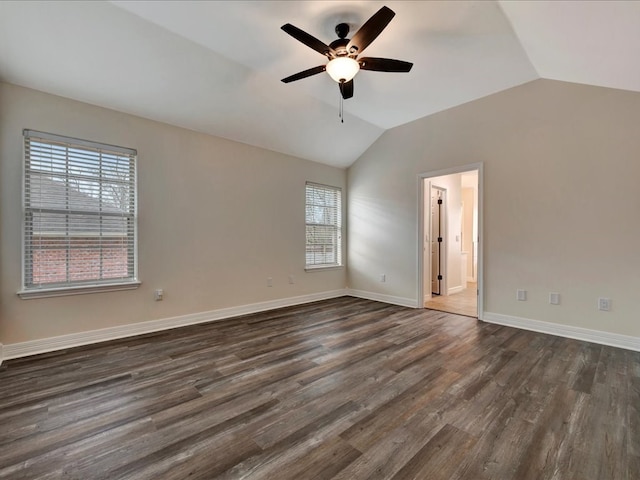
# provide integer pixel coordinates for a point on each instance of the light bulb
(342, 69)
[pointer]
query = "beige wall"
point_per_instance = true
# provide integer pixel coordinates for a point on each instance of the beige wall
(216, 218)
(561, 202)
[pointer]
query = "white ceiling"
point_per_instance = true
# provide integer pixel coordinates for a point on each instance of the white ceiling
(215, 67)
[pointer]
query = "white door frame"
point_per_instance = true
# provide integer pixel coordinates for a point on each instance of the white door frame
(423, 194)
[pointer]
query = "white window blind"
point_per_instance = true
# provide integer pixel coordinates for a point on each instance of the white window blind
(79, 213)
(323, 226)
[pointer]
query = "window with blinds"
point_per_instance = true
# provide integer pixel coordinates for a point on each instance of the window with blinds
(79, 213)
(323, 226)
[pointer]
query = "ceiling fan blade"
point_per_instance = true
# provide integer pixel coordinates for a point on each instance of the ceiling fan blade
(309, 40)
(346, 89)
(370, 30)
(304, 74)
(384, 64)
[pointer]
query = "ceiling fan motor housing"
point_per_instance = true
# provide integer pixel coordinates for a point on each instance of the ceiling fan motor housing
(340, 46)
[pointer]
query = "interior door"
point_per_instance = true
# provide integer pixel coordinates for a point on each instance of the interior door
(437, 237)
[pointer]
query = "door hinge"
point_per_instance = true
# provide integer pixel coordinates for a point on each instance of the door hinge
(439, 201)
(439, 239)
(439, 277)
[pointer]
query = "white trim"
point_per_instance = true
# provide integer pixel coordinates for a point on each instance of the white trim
(28, 294)
(423, 226)
(479, 272)
(322, 268)
(479, 167)
(578, 333)
(380, 297)
(33, 347)
(457, 289)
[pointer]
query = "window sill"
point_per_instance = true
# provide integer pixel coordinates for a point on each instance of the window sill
(80, 290)
(317, 268)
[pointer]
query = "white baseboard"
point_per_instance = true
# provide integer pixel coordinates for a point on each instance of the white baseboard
(33, 347)
(380, 297)
(453, 290)
(603, 338)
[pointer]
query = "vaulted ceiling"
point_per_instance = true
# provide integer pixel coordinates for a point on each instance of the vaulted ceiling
(215, 67)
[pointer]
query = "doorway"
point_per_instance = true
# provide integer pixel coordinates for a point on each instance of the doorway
(450, 260)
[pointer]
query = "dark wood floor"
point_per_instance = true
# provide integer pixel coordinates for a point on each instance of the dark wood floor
(342, 389)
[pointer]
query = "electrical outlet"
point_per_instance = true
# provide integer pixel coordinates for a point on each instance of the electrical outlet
(292, 279)
(269, 281)
(554, 298)
(521, 295)
(158, 294)
(383, 277)
(604, 304)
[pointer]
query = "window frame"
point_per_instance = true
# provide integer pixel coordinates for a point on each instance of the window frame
(338, 228)
(77, 287)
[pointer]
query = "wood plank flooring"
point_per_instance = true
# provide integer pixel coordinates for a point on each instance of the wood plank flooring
(338, 389)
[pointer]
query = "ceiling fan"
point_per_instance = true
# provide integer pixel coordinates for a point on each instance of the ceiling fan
(343, 53)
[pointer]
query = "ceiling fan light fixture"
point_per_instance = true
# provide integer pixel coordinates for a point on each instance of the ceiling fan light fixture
(343, 69)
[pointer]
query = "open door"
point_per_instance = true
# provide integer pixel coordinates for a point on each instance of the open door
(438, 257)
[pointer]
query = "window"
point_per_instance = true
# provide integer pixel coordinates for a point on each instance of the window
(323, 226)
(79, 216)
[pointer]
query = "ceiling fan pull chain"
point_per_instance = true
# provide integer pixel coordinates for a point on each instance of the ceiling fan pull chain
(341, 108)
